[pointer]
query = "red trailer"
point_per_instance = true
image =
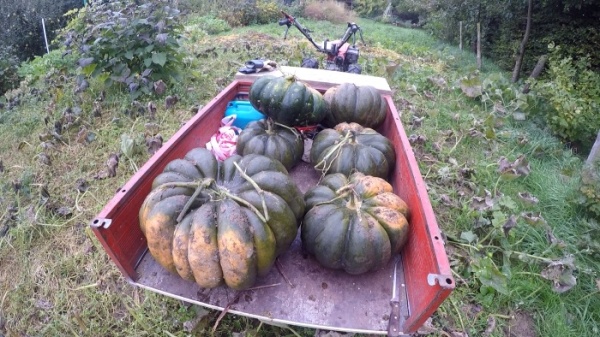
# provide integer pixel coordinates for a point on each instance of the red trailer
(299, 291)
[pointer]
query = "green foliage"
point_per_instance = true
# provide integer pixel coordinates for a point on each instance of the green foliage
(248, 12)
(132, 46)
(210, 24)
(504, 97)
(573, 91)
(55, 61)
(369, 8)
(9, 64)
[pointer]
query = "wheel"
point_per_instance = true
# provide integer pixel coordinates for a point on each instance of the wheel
(310, 62)
(354, 69)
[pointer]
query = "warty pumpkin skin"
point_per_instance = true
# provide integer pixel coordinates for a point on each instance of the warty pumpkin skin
(354, 223)
(351, 103)
(287, 101)
(274, 141)
(350, 148)
(238, 216)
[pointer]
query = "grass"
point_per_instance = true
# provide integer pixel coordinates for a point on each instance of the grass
(55, 279)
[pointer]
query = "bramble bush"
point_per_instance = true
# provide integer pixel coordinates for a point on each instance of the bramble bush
(125, 44)
(573, 92)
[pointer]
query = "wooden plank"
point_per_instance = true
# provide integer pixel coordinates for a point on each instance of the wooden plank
(322, 79)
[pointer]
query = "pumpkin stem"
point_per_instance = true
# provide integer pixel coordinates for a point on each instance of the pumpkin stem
(249, 205)
(294, 130)
(324, 165)
(204, 183)
(260, 191)
(354, 202)
(341, 194)
(352, 136)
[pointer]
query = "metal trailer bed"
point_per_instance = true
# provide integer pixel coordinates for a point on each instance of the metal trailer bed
(299, 291)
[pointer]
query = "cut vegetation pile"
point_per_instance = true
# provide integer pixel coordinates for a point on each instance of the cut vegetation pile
(524, 255)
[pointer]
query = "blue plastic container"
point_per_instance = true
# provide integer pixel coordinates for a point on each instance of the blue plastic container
(244, 111)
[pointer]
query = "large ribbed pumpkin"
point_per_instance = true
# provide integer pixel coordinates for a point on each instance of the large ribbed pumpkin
(272, 140)
(287, 101)
(351, 103)
(350, 148)
(354, 223)
(218, 222)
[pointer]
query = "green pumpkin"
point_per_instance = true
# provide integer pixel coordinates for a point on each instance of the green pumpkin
(218, 222)
(354, 223)
(287, 101)
(351, 103)
(350, 148)
(274, 141)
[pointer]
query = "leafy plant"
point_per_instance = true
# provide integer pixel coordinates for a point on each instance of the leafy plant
(573, 91)
(369, 8)
(8, 69)
(248, 12)
(132, 46)
(211, 24)
(40, 66)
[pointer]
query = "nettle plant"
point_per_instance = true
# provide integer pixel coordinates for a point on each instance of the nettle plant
(126, 44)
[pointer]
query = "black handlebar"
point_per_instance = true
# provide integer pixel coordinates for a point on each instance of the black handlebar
(289, 20)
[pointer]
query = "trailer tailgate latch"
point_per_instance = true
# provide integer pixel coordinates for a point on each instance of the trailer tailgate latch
(101, 223)
(445, 281)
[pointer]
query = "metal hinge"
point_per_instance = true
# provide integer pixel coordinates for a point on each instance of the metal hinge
(445, 281)
(101, 223)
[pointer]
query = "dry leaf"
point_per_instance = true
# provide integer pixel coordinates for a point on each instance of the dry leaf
(82, 135)
(484, 204)
(534, 218)
(154, 144)
(45, 159)
(151, 111)
(520, 167)
(160, 87)
(528, 198)
(417, 139)
(170, 101)
(81, 185)
(152, 128)
(491, 326)
(112, 163)
(509, 224)
(560, 272)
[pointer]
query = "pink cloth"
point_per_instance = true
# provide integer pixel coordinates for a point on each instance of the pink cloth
(223, 143)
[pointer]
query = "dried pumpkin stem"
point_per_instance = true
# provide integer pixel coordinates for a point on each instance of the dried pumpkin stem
(294, 130)
(247, 204)
(200, 187)
(342, 195)
(259, 190)
(325, 164)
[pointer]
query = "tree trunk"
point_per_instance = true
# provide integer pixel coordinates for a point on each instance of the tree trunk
(539, 67)
(521, 52)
